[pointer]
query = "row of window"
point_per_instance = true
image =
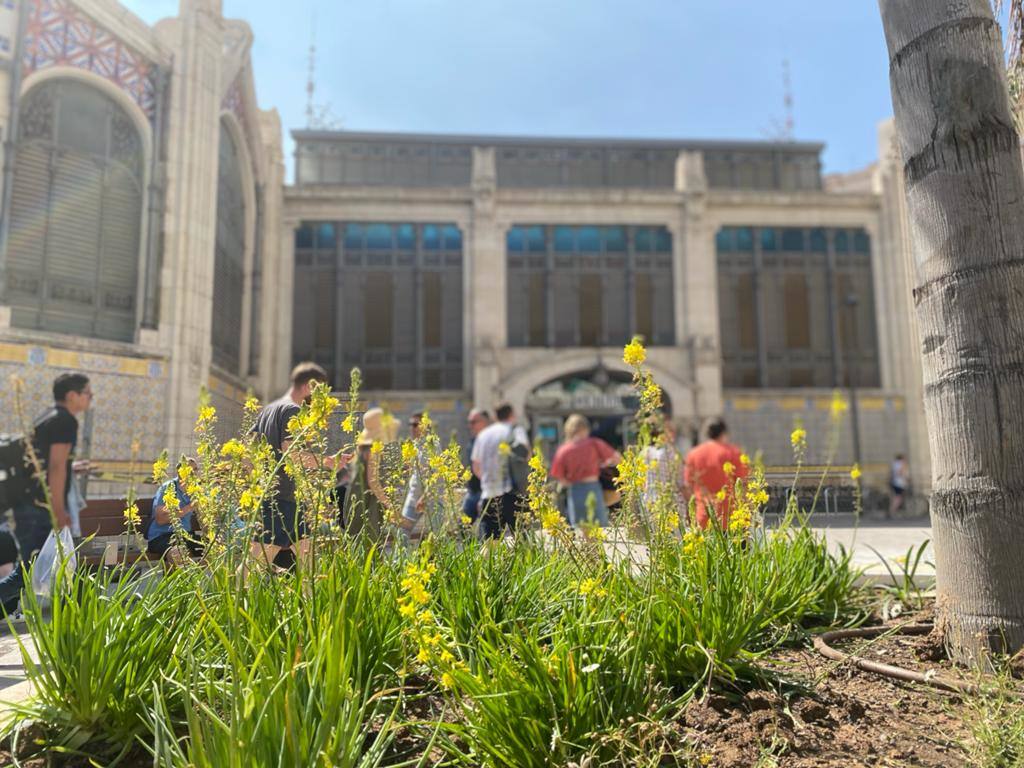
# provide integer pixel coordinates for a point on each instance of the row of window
(537, 238)
(793, 239)
(380, 236)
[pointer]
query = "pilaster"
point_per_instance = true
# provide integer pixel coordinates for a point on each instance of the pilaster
(275, 308)
(486, 329)
(697, 287)
(279, 330)
(191, 209)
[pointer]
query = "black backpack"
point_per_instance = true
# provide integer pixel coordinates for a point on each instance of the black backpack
(17, 475)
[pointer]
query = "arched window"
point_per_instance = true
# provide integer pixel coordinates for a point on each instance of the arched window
(76, 214)
(229, 257)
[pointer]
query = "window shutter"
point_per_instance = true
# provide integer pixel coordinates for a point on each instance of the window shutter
(76, 214)
(72, 245)
(229, 255)
(30, 206)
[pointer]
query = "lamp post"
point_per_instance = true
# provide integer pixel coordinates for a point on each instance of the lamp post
(851, 302)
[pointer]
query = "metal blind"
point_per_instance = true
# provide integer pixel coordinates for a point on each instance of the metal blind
(75, 214)
(229, 255)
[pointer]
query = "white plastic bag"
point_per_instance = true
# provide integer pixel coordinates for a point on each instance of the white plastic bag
(47, 563)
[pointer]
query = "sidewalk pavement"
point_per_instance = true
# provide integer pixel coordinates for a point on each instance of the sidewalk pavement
(871, 539)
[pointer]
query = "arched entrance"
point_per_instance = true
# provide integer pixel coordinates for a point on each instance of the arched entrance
(605, 397)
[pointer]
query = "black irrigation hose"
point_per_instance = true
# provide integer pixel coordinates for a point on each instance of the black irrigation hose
(821, 644)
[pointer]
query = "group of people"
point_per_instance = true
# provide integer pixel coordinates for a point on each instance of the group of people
(584, 466)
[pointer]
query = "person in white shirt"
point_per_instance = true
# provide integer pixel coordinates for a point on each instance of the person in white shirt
(492, 451)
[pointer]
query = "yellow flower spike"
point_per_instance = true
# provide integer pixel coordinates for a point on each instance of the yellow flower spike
(232, 449)
(798, 437)
(207, 413)
(855, 473)
(348, 424)
(251, 405)
(409, 452)
(160, 468)
(377, 447)
(634, 354)
(170, 499)
(131, 515)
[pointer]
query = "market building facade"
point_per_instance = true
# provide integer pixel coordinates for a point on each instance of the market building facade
(148, 237)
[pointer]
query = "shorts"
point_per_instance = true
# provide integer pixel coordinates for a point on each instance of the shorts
(159, 545)
(282, 524)
(897, 491)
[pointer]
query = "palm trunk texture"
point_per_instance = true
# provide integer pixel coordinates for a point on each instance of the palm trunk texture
(965, 197)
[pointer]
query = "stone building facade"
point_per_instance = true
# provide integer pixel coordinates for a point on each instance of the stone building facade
(147, 237)
(142, 189)
(472, 269)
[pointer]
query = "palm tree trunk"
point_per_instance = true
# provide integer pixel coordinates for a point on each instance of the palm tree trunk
(965, 197)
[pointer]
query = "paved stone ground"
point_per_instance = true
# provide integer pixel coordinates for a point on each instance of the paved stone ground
(871, 537)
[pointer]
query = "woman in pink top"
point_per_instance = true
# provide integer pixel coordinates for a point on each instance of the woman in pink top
(577, 465)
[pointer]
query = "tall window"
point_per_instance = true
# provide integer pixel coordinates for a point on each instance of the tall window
(229, 256)
(585, 286)
(383, 297)
(783, 314)
(76, 213)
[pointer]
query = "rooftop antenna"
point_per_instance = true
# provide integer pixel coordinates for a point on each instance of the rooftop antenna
(788, 131)
(311, 81)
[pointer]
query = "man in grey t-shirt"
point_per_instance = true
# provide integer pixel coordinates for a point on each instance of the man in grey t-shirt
(284, 527)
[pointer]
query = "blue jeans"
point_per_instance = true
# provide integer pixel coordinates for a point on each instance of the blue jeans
(31, 527)
(579, 495)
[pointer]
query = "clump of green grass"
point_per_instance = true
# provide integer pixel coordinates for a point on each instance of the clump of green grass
(995, 721)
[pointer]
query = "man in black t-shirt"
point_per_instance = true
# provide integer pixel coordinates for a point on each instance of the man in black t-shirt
(54, 436)
(284, 527)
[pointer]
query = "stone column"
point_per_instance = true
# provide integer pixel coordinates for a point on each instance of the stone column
(898, 320)
(697, 295)
(279, 328)
(487, 321)
(278, 248)
(190, 221)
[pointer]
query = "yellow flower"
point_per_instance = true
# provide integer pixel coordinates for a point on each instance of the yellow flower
(722, 493)
(408, 452)
(251, 405)
(232, 449)
(798, 437)
(447, 681)
(348, 424)
(376, 447)
(160, 468)
(131, 515)
(591, 587)
(855, 473)
(838, 406)
(207, 413)
(729, 468)
(171, 498)
(744, 459)
(467, 520)
(425, 423)
(504, 449)
(423, 657)
(634, 354)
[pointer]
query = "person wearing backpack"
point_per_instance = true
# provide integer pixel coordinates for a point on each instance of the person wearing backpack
(54, 436)
(500, 459)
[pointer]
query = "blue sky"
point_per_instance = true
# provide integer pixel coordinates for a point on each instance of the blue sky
(632, 68)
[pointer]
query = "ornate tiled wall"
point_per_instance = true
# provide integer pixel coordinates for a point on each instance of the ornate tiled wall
(129, 404)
